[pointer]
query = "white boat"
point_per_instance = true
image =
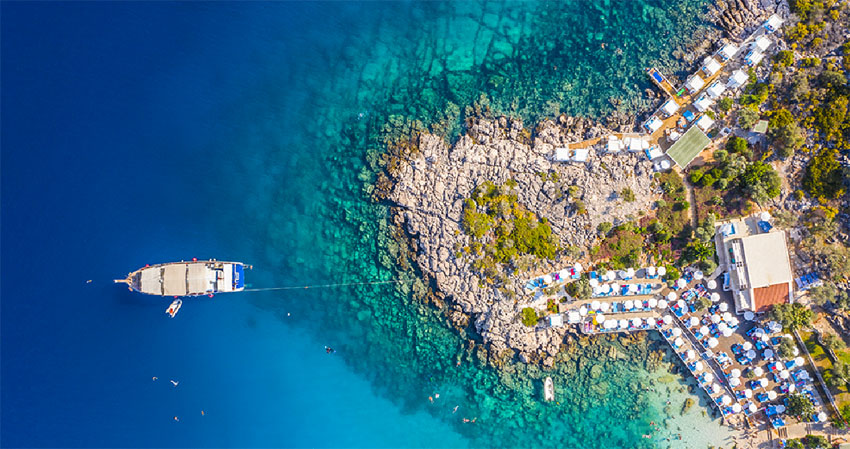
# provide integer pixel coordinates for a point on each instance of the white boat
(194, 278)
(549, 389)
(174, 308)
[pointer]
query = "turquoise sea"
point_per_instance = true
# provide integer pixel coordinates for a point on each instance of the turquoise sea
(144, 132)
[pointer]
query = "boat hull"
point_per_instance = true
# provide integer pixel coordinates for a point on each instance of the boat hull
(194, 278)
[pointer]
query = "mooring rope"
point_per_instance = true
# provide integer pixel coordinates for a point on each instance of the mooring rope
(344, 284)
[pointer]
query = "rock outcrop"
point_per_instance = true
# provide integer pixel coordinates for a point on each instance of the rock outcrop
(429, 193)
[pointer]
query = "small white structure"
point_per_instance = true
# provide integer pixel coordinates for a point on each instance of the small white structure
(615, 145)
(581, 154)
(653, 124)
(703, 103)
(716, 89)
(634, 145)
(670, 107)
(562, 154)
(762, 43)
(556, 320)
(738, 79)
(754, 57)
(654, 153)
(773, 23)
(710, 66)
(728, 51)
(694, 84)
(705, 122)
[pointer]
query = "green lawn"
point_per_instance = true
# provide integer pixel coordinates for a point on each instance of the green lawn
(688, 146)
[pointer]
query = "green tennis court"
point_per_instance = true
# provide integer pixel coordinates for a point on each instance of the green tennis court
(688, 146)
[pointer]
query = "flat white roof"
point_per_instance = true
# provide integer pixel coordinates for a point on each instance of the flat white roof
(738, 78)
(653, 124)
(763, 42)
(705, 122)
(716, 89)
(710, 66)
(728, 50)
(581, 154)
(670, 107)
(773, 23)
(695, 83)
(755, 57)
(767, 260)
(562, 154)
(703, 103)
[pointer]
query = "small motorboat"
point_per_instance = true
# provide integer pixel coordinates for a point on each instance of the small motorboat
(174, 307)
(549, 389)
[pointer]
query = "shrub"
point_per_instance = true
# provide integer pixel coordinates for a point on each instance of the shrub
(786, 348)
(833, 342)
(824, 177)
(628, 195)
(761, 182)
(747, 118)
(739, 145)
(579, 289)
(800, 406)
(695, 175)
(604, 227)
(784, 58)
(816, 442)
(725, 104)
(792, 316)
(784, 132)
(529, 317)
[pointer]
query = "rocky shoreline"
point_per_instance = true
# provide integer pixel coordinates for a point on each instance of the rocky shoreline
(429, 183)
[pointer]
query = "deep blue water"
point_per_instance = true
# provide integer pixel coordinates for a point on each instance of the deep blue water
(137, 133)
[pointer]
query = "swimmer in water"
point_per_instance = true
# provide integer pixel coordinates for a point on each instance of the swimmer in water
(437, 396)
(177, 419)
(329, 350)
(155, 378)
(474, 419)
(455, 409)
(431, 398)
(202, 413)
(465, 420)
(174, 382)
(88, 281)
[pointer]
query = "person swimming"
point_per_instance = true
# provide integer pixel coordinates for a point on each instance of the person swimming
(455, 409)
(174, 382)
(329, 350)
(177, 419)
(155, 378)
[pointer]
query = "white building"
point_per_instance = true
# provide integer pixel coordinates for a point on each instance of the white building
(653, 124)
(710, 66)
(705, 122)
(703, 103)
(754, 57)
(728, 51)
(716, 89)
(738, 79)
(670, 107)
(562, 154)
(773, 23)
(694, 84)
(762, 43)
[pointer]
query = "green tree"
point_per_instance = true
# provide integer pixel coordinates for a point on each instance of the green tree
(628, 195)
(823, 294)
(702, 303)
(833, 342)
(787, 348)
(816, 442)
(784, 58)
(725, 104)
(784, 133)
(799, 87)
(579, 289)
(473, 222)
(747, 118)
(824, 176)
(604, 227)
(830, 117)
(739, 145)
(761, 182)
(792, 316)
(529, 317)
(800, 406)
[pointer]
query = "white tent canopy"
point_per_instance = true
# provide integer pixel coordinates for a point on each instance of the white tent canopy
(671, 296)
(662, 271)
(694, 83)
(711, 284)
(738, 79)
(712, 342)
(703, 103)
(749, 315)
(736, 408)
(710, 66)
(728, 51)
(716, 89)
(677, 332)
(705, 123)
(758, 371)
(723, 307)
(734, 382)
(681, 283)
(698, 366)
(653, 124)
(762, 43)
(670, 107)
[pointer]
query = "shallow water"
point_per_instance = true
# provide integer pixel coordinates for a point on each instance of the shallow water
(152, 132)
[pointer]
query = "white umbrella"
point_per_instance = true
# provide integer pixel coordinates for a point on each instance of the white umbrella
(667, 319)
(681, 283)
(780, 408)
(593, 282)
(596, 291)
(662, 271)
(725, 400)
(633, 288)
(698, 366)
(682, 304)
(600, 317)
(630, 272)
(636, 322)
(723, 307)
(612, 275)
(764, 337)
(709, 377)
(594, 305)
(712, 342)
(671, 296)
(784, 374)
(679, 341)
(605, 306)
(650, 321)
(752, 408)
(662, 303)
(628, 304)
(727, 316)
(804, 375)
(689, 354)
(698, 275)
(694, 321)
(715, 297)
(763, 382)
(703, 330)
(735, 373)
(771, 395)
(606, 288)
(764, 216)
(749, 315)
(652, 302)
(547, 279)
(734, 382)
(799, 361)
(758, 371)
(751, 354)
(722, 326)
(650, 271)
(577, 267)
(624, 323)
(768, 353)
(727, 332)
(822, 416)
(677, 332)
(733, 322)
(582, 311)
(622, 274)
(748, 393)
(736, 408)
(564, 274)
(715, 388)
(711, 284)
(747, 346)
(715, 319)
(609, 324)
